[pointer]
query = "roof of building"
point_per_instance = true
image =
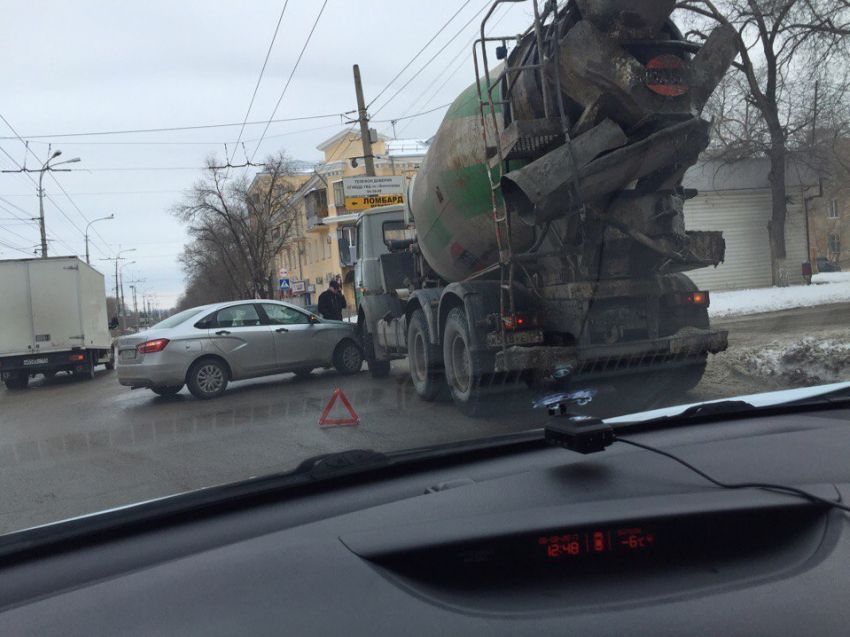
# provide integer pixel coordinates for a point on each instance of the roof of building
(746, 174)
(330, 142)
(407, 147)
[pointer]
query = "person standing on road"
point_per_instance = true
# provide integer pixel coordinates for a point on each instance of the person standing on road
(332, 302)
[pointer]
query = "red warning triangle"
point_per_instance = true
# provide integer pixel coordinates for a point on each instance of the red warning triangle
(324, 420)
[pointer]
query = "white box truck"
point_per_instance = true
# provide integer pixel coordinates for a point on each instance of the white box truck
(52, 318)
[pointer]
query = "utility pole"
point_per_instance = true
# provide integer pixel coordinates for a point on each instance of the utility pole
(135, 306)
(119, 296)
(364, 125)
(134, 287)
(44, 168)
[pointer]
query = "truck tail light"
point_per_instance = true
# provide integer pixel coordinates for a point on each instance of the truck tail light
(667, 75)
(156, 345)
(523, 321)
(76, 358)
(699, 298)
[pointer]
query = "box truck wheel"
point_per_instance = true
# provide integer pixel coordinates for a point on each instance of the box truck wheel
(17, 380)
(424, 358)
(462, 370)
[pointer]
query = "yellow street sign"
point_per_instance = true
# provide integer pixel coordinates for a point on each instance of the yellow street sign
(365, 203)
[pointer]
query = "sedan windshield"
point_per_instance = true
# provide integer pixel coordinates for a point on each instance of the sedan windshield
(221, 256)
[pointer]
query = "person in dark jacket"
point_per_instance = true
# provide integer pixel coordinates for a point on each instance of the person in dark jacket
(332, 302)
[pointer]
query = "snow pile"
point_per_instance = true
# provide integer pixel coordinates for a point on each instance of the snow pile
(805, 362)
(833, 287)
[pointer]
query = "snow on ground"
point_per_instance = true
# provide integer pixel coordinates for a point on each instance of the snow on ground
(800, 363)
(833, 287)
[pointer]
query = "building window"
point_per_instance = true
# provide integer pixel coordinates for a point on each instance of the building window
(339, 196)
(309, 253)
(834, 244)
(832, 209)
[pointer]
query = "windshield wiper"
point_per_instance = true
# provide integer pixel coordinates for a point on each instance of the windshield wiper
(742, 405)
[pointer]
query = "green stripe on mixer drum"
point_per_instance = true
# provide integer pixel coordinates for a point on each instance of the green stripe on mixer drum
(439, 236)
(469, 190)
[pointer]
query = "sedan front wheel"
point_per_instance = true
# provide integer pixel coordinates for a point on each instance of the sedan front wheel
(207, 379)
(348, 358)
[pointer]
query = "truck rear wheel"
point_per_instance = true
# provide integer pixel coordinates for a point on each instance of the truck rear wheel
(424, 357)
(463, 374)
(17, 380)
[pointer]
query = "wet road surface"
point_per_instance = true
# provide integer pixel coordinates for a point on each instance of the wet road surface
(70, 447)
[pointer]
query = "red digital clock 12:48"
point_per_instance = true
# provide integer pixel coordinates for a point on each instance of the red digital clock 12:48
(597, 542)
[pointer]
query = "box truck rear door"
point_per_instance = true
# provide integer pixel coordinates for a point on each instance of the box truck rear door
(55, 303)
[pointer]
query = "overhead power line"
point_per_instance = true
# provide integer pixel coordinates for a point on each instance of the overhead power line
(446, 78)
(433, 57)
(413, 59)
(177, 128)
(291, 75)
(259, 79)
(46, 196)
(113, 192)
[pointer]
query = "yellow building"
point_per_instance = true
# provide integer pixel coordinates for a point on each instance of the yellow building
(320, 251)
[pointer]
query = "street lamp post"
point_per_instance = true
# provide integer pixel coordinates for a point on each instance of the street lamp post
(123, 305)
(118, 258)
(44, 168)
(112, 216)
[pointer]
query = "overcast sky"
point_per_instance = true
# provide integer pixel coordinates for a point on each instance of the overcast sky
(72, 67)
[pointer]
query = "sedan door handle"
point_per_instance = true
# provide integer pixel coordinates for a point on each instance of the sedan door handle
(222, 333)
(281, 329)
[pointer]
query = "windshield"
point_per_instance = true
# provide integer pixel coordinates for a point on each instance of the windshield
(413, 252)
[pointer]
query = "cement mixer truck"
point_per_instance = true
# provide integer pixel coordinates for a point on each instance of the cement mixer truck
(543, 238)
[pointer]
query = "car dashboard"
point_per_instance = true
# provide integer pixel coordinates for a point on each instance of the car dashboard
(525, 539)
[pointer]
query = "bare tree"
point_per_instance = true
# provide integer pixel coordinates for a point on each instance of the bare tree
(238, 227)
(793, 65)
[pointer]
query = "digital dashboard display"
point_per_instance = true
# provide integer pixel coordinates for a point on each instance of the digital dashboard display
(602, 541)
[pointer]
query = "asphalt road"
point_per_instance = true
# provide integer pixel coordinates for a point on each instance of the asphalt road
(70, 447)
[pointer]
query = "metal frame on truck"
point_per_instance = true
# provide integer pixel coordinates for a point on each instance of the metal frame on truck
(549, 215)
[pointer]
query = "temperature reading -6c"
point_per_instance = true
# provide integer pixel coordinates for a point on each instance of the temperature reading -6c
(597, 541)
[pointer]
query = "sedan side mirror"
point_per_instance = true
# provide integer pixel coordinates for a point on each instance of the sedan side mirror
(314, 320)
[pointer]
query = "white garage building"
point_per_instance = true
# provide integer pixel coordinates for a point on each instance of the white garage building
(735, 198)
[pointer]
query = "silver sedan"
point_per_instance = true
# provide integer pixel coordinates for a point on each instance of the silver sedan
(206, 347)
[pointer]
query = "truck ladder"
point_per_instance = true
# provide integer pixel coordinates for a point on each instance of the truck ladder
(501, 148)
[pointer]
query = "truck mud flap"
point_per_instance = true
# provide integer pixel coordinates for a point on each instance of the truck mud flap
(688, 346)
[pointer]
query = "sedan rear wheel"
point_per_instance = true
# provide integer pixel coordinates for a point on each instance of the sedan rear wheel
(207, 379)
(348, 358)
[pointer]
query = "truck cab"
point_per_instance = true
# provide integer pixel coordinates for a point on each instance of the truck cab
(376, 230)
